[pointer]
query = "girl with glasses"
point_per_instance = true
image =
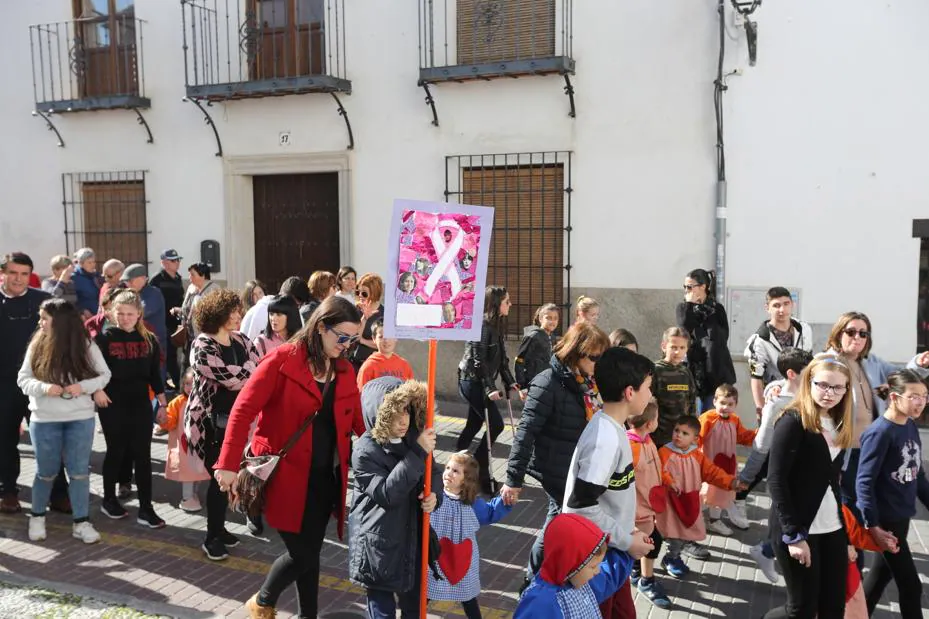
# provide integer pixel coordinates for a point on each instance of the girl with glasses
(807, 525)
(890, 478)
(368, 298)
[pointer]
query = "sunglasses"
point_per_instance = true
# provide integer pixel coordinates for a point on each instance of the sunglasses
(364, 294)
(343, 339)
(862, 333)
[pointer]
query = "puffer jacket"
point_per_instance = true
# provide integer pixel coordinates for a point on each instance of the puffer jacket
(385, 521)
(534, 354)
(552, 421)
(486, 359)
(708, 356)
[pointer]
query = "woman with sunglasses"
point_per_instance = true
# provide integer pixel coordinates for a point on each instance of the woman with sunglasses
(368, 299)
(704, 319)
(306, 377)
(560, 401)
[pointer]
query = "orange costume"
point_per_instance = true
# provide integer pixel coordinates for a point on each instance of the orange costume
(689, 469)
(651, 495)
(718, 436)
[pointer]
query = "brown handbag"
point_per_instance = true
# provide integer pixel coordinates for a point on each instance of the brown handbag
(179, 337)
(256, 472)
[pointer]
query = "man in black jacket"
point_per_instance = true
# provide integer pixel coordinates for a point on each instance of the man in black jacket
(171, 285)
(19, 317)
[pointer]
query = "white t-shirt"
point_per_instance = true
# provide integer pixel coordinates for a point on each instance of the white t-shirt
(827, 518)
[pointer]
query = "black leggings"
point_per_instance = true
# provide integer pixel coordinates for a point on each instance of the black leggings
(741, 495)
(300, 563)
(900, 568)
(818, 590)
(128, 433)
(479, 405)
(216, 499)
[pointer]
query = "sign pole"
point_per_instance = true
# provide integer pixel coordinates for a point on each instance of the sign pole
(430, 420)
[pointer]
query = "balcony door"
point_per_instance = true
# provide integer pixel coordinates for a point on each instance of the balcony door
(289, 38)
(104, 56)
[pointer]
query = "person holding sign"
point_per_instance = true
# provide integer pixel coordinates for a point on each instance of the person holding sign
(483, 363)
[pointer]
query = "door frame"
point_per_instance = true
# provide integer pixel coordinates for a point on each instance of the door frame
(239, 204)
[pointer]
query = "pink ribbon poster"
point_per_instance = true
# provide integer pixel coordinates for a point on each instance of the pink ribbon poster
(437, 270)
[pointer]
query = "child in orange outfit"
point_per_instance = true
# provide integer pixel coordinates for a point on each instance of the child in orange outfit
(720, 432)
(651, 498)
(180, 465)
(684, 469)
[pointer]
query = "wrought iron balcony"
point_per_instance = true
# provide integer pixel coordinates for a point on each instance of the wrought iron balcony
(92, 63)
(483, 39)
(236, 49)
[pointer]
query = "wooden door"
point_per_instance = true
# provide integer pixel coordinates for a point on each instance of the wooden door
(495, 30)
(105, 57)
(114, 220)
(296, 225)
(290, 38)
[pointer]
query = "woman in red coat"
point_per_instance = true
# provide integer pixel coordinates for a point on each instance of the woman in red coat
(306, 376)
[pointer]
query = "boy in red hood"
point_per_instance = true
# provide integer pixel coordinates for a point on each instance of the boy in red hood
(578, 572)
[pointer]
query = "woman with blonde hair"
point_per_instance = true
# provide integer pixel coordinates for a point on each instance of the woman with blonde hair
(587, 309)
(807, 525)
(560, 401)
(131, 352)
(368, 297)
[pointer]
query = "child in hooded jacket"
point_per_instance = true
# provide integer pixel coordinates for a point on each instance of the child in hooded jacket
(535, 351)
(456, 524)
(389, 466)
(181, 465)
(578, 572)
(684, 469)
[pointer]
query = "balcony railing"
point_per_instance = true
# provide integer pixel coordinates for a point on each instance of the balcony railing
(236, 49)
(483, 39)
(88, 64)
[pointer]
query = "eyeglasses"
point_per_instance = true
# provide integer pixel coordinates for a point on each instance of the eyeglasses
(862, 333)
(689, 287)
(916, 398)
(827, 388)
(341, 338)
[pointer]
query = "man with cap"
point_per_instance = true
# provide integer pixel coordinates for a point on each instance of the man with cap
(153, 304)
(171, 285)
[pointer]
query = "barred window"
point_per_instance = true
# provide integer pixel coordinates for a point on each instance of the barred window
(106, 212)
(531, 197)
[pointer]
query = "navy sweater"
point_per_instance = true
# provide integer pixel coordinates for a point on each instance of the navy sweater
(19, 317)
(890, 475)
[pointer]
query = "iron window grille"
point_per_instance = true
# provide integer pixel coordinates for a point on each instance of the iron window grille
(468, 39)
(106, 211)
(531, 244)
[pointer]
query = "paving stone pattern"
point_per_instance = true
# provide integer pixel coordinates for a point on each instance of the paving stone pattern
(164, 572)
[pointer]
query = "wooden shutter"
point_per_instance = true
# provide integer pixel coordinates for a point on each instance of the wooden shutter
(495, 30)
(114, 221)
(527, 248)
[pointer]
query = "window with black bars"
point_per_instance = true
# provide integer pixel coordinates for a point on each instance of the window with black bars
(106, 212)
(530, 246)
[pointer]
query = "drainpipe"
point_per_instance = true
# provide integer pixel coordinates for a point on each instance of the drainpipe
(721, 237)
(720, 220)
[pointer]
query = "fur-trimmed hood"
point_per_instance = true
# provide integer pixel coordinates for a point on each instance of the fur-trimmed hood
(391, 400)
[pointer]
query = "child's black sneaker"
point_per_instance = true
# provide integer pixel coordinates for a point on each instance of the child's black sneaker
(652, 589)
(112, 508)
(149, 518)
(256, 526)
(228, 539)
(215, 550)
(634, 577)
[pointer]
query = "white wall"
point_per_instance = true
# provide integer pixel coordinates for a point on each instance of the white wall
(826, 135)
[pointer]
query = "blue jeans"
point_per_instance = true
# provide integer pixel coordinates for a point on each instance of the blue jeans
(537, 551)
(54, 442)
(383, 604)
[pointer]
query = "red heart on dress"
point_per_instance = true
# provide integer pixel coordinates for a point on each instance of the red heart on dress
(658, 499)
(726, 462)
(455, 559)
(687, 506)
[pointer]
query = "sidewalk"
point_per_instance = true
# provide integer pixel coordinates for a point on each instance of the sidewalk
(165, 573)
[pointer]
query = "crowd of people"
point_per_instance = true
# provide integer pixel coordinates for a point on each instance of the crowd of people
(632, 455)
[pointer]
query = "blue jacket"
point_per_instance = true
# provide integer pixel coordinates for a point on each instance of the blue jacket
(87, 287)
(544, 600)
(153, 303)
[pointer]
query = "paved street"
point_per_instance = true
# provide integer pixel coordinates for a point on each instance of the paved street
(165, 573)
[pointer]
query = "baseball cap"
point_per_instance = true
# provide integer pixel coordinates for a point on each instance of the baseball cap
(170, 254)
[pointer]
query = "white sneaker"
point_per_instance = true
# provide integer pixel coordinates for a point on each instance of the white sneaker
(736, 515)
(37, 528)
(714, 513)
(719, 527)
(85, 532)
(766, 565)
(191, 505)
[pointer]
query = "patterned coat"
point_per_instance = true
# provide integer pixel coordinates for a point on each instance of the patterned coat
(210, 373)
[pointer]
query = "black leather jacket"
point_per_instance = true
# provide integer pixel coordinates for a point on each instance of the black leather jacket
(486, 359)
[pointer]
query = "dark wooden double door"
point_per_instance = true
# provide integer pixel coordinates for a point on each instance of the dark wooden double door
(296, 226)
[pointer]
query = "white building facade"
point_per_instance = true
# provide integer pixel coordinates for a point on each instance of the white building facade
(825, 137)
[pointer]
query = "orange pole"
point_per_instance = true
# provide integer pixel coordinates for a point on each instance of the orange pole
(430, 420)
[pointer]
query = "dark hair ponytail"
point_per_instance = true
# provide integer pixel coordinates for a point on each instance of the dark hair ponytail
(897, 382)
(493, 297)
(705, 278)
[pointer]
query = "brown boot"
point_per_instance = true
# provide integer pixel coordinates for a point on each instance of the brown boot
(259, 612)
(9, 504)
